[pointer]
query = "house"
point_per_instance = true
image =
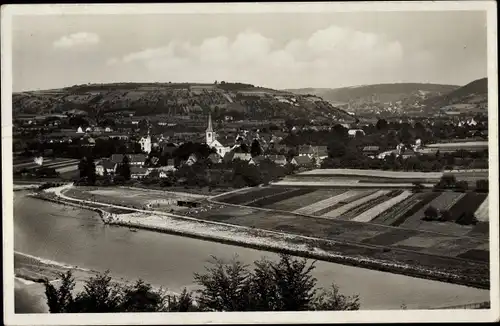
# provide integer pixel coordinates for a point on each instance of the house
(137, 172)
(407, 153)
(306, 150)
(302, 161)
(242, 156)
(214, 158)
(320, 152)
(134, 159)
(117, 158)
(383, 155)
(118, 136)
(355, 132)
(212, 142)
(256, 160)
(89, 142)
(278, 159)
(165, 170)
(145, 143)
(137, 159)
(105, 166)
(191, 160)
(371, 151)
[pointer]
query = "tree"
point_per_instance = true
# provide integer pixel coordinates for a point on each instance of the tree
(142, 297)
(418, 186)
(431, 213)
(332, 299)
(244, 148)
(255, 148)
(82, 167)
(125, 168)
(482, 185)
(284, 285)
(60, 300)
(447, 181)
(91, 174)
(336, 148)
(467, 218)
(445, 216)
(99, 295)
(381, 124)
(294, 284)
(462, 186)
(224, 286)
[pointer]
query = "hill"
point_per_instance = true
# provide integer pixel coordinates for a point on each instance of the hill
(473, 96)
(243, 101)
(366, 98)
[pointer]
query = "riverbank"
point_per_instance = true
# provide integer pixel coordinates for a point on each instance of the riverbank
(314, 248)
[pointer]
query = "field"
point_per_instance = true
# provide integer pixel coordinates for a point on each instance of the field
(57, 163)
(134, 198)
(381, 217)
(376, 223)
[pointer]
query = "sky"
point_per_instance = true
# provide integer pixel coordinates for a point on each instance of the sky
(277, 50)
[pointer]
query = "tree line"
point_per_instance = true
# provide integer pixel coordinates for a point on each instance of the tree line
(283, 285)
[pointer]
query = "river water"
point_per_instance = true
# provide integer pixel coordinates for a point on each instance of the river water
(78, 237)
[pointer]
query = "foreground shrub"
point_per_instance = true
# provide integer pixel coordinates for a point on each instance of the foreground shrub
(284, 285)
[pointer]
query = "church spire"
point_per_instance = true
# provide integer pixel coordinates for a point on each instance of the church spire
(209, 128)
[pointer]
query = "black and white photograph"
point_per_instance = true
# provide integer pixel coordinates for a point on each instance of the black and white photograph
(250, 163)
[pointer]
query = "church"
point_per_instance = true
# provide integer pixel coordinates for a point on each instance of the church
(212, 142)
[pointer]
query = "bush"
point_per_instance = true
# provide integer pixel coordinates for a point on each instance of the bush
(417, 186)
(467, 218)
(284, 285)
(431, 213)
(100, 294)
(482, 185)
(445, 216)
(462, 186)
(447, 181)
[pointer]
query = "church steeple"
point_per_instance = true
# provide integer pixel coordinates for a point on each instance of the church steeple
(209, 128)
(209, 134)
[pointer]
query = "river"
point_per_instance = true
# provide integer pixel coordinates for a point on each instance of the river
(78, 237)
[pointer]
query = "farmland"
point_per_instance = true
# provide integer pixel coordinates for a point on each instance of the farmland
(366, 222)
(133, 197)
(372, 216)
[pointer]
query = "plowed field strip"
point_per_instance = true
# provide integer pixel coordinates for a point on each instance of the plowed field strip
(310, 209)
(442, 202)
(345, 208)
(393, 213)
(294, 203)
(373, 212)
(361, 208)
(247, 197)
(268, 200)
(423, 200)
(361, 194)
(482, 213)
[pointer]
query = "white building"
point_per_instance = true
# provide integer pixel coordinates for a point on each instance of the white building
(145, 143)
(79, 130)
(212, 142)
